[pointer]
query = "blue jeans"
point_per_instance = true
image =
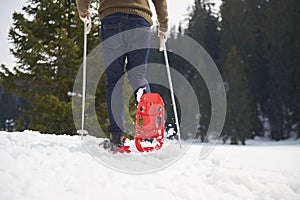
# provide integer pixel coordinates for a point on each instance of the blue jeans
(112, 25)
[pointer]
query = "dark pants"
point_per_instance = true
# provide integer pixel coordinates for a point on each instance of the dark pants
(112, 25)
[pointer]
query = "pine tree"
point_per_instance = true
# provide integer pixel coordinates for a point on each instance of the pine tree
(204, 28)
(238, 120)
(47, 39)
(295, 87)
(237, 45)
(281, 46)
(256, 67)
(212, 33)
(8, 108)
(196, 26)
(58, 119)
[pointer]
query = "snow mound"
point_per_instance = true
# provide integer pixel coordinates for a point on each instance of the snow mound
(38, 166)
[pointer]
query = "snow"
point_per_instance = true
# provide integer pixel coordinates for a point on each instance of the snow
(39, 166)
(140, 93)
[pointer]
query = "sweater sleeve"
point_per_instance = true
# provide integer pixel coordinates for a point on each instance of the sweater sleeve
(83, 7)
(161, 9)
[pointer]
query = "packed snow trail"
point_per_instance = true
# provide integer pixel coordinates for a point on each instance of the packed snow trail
(35, 166)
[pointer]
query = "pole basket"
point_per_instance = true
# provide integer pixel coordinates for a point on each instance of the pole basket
(149, 126)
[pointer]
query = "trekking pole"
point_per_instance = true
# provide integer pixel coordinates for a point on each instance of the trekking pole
(172, 93)
(85, 32)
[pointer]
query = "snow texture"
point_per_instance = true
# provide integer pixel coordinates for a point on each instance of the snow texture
(36, 166)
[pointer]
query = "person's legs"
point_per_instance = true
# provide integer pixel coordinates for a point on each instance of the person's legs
(114, 95)
(137, 59)
(136, 72)
(112, 25)
(136, 67)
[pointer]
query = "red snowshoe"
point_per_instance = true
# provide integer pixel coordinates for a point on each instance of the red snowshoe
(149, 123)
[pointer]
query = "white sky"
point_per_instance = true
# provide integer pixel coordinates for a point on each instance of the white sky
(177, 12)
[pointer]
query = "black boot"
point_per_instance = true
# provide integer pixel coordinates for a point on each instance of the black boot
(116, 141)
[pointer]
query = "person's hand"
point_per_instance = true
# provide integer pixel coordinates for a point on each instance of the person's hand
(87, 19)
(163, 36)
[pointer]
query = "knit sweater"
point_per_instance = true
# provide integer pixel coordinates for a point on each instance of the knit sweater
(138, 7)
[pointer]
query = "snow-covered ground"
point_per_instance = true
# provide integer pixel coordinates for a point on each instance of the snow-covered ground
(35, 166)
